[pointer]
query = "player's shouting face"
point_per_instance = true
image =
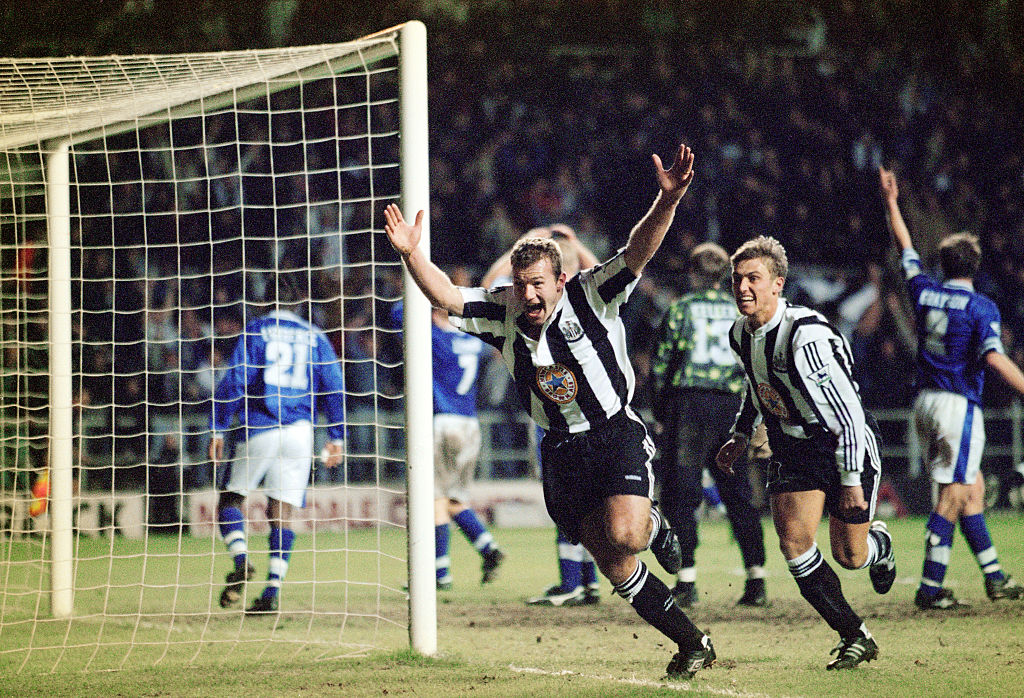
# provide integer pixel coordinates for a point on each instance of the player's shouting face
(756, 291)
(537, 289)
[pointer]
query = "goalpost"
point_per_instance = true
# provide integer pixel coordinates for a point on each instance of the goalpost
(146, 202)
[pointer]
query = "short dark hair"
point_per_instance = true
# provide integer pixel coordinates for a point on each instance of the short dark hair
(767, 248)
(709, 264)
(530, 250)
(960, 255)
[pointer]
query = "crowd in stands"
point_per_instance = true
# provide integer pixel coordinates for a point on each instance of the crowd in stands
(547, 112)
(789, 122)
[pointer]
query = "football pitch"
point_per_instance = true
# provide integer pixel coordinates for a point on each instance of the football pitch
(492, 644)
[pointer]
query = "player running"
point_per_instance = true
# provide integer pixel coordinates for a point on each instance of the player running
(564, 343)
(824, 445)
(958, 331)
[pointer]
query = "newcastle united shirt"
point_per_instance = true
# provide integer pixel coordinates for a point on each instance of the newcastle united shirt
(799, 381)
(577, 374)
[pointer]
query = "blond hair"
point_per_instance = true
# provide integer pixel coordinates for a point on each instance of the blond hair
(767, 248)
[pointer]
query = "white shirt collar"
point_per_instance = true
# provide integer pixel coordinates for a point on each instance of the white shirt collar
(774, 322)
(962, 284)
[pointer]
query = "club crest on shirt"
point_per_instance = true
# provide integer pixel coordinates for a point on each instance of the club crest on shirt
(571, 330)
(557, 383)
(771, 399)
(779, 362)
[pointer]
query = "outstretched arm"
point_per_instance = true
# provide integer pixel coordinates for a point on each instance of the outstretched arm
(646, 237)
(890, 196)
(1007, 370)
(434, 283)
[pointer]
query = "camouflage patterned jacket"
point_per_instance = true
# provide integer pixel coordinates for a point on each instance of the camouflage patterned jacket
(693, 350)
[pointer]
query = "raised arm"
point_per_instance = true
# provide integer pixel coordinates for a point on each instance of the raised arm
(587, 258)
(502, 266)
(646, 237)
(890, 196)
(434, 283)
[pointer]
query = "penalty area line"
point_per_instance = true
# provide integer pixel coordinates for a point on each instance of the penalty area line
(684, 687)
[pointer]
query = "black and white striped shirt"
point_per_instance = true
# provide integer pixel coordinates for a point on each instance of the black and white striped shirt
(800, 383)
(577, 374)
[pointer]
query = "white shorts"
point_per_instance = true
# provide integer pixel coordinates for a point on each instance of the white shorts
(279, 458)
(456, 450)
(952, 435)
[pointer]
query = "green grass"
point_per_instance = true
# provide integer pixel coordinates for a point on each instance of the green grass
(490, 642)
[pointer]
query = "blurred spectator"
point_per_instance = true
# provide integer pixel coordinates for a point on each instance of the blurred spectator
(790, 106)
(164, 485)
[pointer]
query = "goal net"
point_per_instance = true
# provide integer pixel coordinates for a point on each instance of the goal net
(147, 206)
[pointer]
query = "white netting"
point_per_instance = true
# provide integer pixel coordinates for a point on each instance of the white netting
(194, 180)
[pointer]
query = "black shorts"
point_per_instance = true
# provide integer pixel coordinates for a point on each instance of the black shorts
(799, 465)
(580, 471)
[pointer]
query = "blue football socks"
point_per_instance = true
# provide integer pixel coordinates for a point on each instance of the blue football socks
(975, 530)
(938, 546)
(232, 532)
(442, 559)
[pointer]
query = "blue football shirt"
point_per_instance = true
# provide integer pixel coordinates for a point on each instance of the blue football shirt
(956, 327)
(282, 370)
(456, 359)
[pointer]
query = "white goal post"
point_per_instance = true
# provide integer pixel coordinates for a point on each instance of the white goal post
(126, 175)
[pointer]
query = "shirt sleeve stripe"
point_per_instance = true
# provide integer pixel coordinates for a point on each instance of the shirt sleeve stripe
(845, 419)
(616, 284)
(831, 393)
(485, 310)
(839, 405)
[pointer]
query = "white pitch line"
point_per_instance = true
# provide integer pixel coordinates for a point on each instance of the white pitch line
(684, 687)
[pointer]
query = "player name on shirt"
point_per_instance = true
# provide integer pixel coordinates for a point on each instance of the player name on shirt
(713, 311)
(938, 299)
(292, 335)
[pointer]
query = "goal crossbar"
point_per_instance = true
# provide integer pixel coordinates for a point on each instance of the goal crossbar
(81, 99)
(49, 104)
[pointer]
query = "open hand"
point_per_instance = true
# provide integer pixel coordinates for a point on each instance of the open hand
(675, 180)
(404, 237)
(887, 181)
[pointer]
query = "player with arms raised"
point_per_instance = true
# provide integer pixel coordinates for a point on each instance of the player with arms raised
(958, 332)
(564, 343)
